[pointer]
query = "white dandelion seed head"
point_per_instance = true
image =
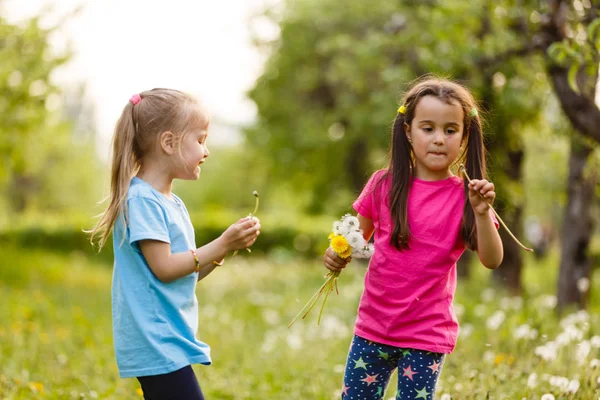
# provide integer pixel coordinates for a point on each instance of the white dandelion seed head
(583, 351)
(547, 396)
(532, 380)
(351, 222)
(488, 294)
(496, 320)
(583, 285)
(355, 240)
(573, 386)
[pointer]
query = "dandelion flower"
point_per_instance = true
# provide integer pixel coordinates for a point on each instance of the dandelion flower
(351, 223)
(345, 254)
(356, 240)
(339, 244)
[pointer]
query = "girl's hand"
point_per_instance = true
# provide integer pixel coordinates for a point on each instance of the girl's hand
(242, 234)
(333, 262)
(482, 187)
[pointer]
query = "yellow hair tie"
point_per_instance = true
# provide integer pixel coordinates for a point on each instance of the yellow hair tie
(402, 109)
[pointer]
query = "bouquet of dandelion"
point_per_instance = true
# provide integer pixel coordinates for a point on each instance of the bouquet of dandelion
(346, 240)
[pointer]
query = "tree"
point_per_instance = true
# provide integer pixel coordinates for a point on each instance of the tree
(36, 144)
(329, 91)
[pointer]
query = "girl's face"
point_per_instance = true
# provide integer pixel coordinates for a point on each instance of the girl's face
(435, 133)
(193, 154)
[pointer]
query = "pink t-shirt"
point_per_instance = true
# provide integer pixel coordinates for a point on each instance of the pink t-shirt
(407, 300)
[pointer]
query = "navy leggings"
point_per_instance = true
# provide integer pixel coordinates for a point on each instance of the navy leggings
(178, 385)
(371, 364)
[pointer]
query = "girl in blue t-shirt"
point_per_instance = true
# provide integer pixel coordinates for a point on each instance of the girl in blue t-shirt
(160, 136)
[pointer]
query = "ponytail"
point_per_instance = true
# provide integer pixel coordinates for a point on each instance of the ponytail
(476, 169)
(402, 167)
(125, 164)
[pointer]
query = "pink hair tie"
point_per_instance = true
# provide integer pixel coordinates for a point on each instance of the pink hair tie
(136, 98)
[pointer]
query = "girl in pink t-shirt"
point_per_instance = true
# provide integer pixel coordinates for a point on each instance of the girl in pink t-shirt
(422, 217)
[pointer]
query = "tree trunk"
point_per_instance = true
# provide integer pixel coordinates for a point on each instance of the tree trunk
(575, 262)
(356, 162)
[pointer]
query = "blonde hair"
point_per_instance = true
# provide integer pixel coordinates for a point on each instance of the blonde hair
(137, 130)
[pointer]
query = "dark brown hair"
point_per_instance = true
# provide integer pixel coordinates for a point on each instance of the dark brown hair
(402, 163)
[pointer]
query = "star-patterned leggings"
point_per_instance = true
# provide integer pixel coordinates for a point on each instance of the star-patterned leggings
(370, 365)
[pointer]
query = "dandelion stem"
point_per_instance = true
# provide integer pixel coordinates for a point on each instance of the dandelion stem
(253, 213)
(325, 288)
(461, 169)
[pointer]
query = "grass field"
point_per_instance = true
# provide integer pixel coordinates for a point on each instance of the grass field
(56, 343)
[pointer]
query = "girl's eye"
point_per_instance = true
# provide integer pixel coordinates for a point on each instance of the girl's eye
(428, 129)
(450, 131)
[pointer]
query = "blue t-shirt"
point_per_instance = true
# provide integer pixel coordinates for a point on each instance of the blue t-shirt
(154, 323)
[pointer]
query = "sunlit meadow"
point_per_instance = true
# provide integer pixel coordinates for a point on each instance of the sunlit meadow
(55, 337)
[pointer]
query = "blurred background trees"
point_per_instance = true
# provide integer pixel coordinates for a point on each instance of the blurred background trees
(326, 99)
(47, 165)
(331, 84)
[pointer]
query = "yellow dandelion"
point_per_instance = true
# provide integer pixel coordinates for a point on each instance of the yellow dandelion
(331, 235)
(339, 244)
(346, 253)
(36, 387)
(139, 391)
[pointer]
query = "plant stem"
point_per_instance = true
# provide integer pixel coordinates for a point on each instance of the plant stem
(462, 169)
(253, 213)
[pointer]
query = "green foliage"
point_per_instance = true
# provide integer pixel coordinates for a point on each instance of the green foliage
(580, 51)
(283, 234)
(56, 339)
(330, 87)
(42, 169)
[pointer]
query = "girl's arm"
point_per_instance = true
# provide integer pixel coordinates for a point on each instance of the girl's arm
(335, 263)
(168, 266)
(489, 244)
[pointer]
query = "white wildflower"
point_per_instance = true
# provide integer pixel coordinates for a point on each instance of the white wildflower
(488, 294)
(496, 320)
(547, 351)
(595, 363)
(595, 341)
(337, 225)
(355, 240)
(294, 341)
(547, 396)
(446, 396)
(570, 334)
(560, 382)
(532, 380)
(583, 284)
(573, 386)
(350, 222)
(547, 301)
(525, 332)
(583, 351)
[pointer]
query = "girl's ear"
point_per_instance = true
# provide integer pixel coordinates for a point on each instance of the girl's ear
(407, 131)
(167, 142)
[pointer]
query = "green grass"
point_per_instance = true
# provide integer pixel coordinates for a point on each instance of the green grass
(56, 343)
